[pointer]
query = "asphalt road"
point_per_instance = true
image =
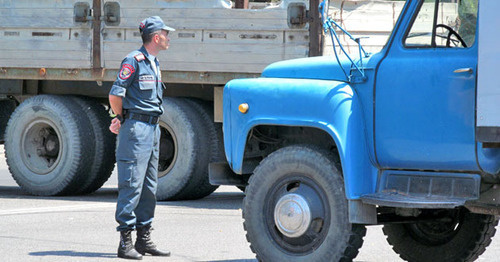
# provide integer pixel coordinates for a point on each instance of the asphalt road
(83, 228)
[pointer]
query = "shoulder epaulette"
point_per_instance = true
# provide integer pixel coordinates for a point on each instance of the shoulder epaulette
(139, 57)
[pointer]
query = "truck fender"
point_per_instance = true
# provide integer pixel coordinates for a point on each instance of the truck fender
(331, 106)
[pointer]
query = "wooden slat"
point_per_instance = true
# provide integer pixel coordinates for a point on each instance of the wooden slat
(201, 67)
(232, 58)
(47, 11)
(40, 4)
(191, 13)
(44, 34)
(35, 55)
(38, 22)
(192, 18)
(44, 63)
(243, 37)
(210, 48)
(227, 36)
(56, 46)
(172, 4)
(218, 23)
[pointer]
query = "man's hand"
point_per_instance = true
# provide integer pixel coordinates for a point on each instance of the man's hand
(116, 105)
(115, 126)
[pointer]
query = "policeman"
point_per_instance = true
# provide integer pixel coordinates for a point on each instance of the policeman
(136, 98)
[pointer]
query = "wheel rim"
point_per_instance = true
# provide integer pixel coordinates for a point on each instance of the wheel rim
(292, 215)
(168, 150)
(435, 233)
(41, 146)
(296, 225)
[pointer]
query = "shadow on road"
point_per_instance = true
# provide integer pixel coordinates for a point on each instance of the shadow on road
(217, 200)
(235, 260)
(70, 253)
(102, 195)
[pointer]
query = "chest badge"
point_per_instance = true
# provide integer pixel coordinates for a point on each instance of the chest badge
(146, 78)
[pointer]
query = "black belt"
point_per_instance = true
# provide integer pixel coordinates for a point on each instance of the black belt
(143, 118)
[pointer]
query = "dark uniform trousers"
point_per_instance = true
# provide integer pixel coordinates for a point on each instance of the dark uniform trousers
(137, 160)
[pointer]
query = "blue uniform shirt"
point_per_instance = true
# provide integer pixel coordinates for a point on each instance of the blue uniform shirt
(138, 84)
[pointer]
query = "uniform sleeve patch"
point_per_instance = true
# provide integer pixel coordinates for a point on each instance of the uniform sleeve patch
(140, 57)
(126, 71)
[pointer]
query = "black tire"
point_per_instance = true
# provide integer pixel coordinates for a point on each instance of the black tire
(463, 238)
(199, 185)
(6, 109)
(311, 176)
(46, 150)
(104, 142)
(206, 110)
(183, 150)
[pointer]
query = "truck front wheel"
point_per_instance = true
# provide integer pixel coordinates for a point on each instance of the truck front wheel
(295, 209)
(462, 236)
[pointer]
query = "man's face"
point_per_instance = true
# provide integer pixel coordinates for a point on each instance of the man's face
(163, 40)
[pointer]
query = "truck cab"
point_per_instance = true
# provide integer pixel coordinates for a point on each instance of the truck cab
(407, 138)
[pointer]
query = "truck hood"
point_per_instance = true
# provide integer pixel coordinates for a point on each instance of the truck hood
(320, 67)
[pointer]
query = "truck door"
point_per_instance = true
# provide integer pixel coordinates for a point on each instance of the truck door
(425, 90)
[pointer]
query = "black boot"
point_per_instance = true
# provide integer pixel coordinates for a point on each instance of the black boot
(126, 249)
(144, 244)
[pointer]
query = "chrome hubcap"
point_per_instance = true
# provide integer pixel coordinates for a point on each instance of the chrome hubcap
(292, 215)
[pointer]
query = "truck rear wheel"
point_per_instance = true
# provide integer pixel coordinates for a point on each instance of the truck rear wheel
(199, 186)
(463, 237)
(184, 152)
(45, 146)
(104, 142)
(295, 209)
(7, 107)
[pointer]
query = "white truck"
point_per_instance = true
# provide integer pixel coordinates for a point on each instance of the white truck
(58, 60)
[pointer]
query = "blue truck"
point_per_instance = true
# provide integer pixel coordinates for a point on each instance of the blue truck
(407, 138)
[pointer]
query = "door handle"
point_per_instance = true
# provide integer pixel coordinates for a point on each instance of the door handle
(463, 70)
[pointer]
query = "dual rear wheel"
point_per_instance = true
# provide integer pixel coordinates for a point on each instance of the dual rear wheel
(61, 145)
(189, 142)
(458, 236)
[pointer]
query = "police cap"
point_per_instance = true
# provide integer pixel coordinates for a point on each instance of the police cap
(153, 24)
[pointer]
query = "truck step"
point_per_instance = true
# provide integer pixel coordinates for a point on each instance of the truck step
(395, 199)
(420, 189)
